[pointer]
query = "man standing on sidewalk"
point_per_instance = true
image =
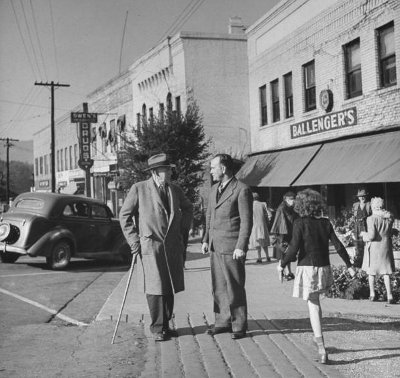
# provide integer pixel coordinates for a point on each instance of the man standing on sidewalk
(229, 221)
(154, 217)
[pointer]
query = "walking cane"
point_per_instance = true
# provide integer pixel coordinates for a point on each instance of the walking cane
(124, 299)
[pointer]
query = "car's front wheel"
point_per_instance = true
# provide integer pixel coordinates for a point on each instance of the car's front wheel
(9, 257)
(60, 256)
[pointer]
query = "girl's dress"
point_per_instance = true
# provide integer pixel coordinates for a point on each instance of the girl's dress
(310, 244)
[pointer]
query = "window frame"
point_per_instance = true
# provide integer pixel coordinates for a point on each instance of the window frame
(275, 100)
(384, 59)
(351, 73)
(309, 90)
(262, 95)
(288, 98)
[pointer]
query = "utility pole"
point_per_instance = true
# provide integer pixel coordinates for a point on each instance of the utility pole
(52, 84)
(8, 145)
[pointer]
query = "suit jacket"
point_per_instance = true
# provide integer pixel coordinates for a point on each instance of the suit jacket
(229, 222)
(159, 237)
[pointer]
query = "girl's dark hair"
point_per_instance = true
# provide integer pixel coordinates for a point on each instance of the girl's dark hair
(309, 203)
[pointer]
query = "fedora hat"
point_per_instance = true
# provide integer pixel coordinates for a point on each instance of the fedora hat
(159, 160)
(362, 193)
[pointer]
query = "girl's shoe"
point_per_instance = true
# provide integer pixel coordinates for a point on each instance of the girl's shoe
(323, 357)
(372, 299)
(390, 300)
(259, 261)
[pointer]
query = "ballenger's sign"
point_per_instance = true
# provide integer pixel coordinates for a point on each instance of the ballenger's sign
(336, 120)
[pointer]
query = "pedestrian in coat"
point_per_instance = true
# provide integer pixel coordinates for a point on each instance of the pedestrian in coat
(259, 237)
(154, 218)
(310, 244)
(282, 229)
(361, 211)
(229, 221)
(378, 252)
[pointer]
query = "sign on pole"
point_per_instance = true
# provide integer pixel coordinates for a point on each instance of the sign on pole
(83, 117)
(85, 161)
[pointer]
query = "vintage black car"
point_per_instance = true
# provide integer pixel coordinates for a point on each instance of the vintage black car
(59, 227)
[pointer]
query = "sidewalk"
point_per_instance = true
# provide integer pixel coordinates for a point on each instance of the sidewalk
(362, 337)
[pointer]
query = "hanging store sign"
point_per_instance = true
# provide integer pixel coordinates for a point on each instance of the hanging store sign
(328, 122)
(83, 117)
(85, 161)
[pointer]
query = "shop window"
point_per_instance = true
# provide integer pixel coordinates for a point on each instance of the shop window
(353, 68)
(263, 104)
(287, 79)
(58, 161)
(36, 167)
(41, 165)
(275, 100)
(61, 160)
(178, 105)
(387, 55)
(309, 86)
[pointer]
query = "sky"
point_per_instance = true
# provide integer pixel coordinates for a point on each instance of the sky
(85, 43)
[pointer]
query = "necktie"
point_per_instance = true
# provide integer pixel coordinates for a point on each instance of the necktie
(219, 192)
(164, 197)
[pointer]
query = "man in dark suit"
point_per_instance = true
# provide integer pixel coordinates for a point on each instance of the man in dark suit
(155, 217)
(229, 220)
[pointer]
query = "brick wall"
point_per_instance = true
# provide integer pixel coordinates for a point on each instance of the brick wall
(321, 39)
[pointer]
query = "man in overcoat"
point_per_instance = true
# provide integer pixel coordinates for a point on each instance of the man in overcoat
(154, 217)
(229, 220)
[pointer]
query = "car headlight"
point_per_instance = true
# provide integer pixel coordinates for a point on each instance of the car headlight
(9, 233)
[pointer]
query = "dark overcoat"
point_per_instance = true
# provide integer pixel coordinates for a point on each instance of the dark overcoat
(159, 237)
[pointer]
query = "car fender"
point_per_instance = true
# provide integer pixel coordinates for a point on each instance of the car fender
(44, 245)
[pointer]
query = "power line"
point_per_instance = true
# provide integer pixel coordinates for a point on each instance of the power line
(54, 37)
(23, 41)
(122, 42)
(30, 37)
(38, 39)
(187, 17)
(32, 105)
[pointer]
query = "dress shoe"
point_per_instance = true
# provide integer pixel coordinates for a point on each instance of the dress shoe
(372, 299)
(390, 301)
(259, 261)
(159, 336)
(216, 330)
(238, 335)
(170, 332)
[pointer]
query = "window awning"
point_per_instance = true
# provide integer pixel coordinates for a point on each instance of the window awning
(364, 159)
(280, 168)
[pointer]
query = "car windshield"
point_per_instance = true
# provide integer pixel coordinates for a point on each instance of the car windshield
(30, 203)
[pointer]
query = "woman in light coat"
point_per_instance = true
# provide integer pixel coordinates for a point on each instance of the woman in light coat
(378, 252)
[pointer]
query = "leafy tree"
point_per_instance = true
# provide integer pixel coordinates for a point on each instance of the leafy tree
(20, 178)
(181, 137)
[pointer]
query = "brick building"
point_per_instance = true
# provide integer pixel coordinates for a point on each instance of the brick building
(208, 68)
(69, 177)
(113, 104)
(325, 100)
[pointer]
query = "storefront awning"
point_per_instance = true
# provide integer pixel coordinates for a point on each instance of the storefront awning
(278, 168)
(358, 160)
